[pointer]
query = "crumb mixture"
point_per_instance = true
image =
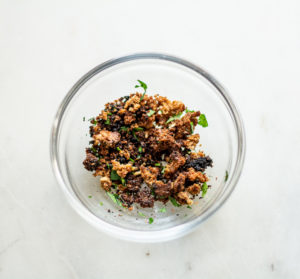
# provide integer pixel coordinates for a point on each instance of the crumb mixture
(143, 150)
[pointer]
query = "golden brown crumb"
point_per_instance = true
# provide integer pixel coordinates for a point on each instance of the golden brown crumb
(191, 141)
(195, 155)
(107, 138)
(184, 198)
(121, 169)
(196, 175)
(149, 174)
(177, 160)
(194, 189)
(105, 183)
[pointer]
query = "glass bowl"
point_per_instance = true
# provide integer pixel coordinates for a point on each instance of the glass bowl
(223, 140)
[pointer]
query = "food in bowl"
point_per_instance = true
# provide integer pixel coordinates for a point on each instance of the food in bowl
(144, 150)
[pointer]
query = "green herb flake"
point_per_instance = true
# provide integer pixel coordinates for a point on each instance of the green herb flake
(157, 164)
(90, 197)
(172, 118)
(138, 129)
(189, 207)
(141, 214)
(174, 202)
(115, 198)
(142, 85)
(83, 118)
(151, 220)
(107, 122)
(202, 120)
(123, 181)
(226, 176)
(139, 156)
(140, 149)
(130, 159)
(101, 203)
(134, 135)
(204, 189)
(123, 128)
(114, 185)
(94, 150)
(163, 170)
(163, 210)
(108, 166)
(118, 148)
(151, 112)
(109, 113)
(192, 127)
(114, 176)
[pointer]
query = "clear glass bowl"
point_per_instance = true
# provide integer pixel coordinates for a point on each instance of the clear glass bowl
(223, 140)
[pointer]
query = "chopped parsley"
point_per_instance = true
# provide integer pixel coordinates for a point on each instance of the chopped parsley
(123, 128)
(83, 118)
(107, 122)
(123, 181)
(101, 203)
(114, 185)
(202, 120)
(204, 189)
(151, 112)
(226, 176)
(157, 164)
(118, 148)
(151, 220)
(109, 113)
(115, 198)
(142, 85)
(189, 207)
(163, 209)
(94, 150)
(172, 118)
(163, 170)
(134, 135)
(141, 214)
(131, 160)
(114, 176)
(140, 149)
(192, 127)
(90, 197)
(174, 202)
(138, 129)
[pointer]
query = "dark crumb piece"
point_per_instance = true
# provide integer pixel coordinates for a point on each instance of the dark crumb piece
(144, 198)
(148, 254)
(143, 148)
(200, 164)
(91, 162)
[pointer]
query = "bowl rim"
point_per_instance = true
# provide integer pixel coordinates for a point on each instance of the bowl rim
(157, 235)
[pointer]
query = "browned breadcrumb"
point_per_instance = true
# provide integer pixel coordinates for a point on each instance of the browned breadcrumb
(121, 169)
(143, 155)
(149, 174)
(193, 175)
(105, 183)
(191, 141)
(183, 198)
(194, 189)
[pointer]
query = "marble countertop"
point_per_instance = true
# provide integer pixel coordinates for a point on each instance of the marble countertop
(251, 47)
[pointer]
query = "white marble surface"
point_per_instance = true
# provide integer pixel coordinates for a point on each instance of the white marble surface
(251, 47)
